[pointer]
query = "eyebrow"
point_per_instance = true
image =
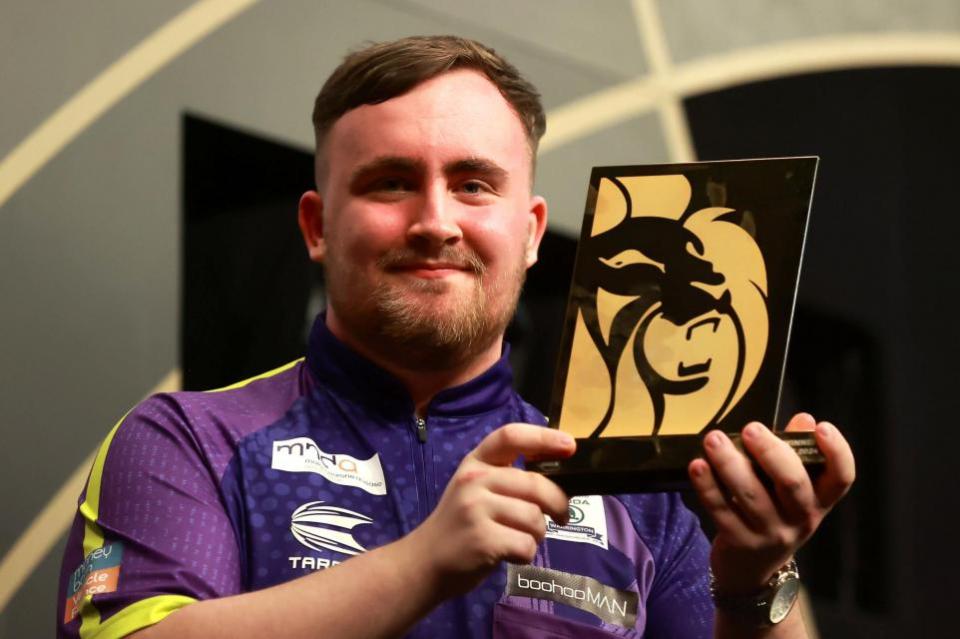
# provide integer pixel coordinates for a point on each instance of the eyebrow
(476, 165)
(400, 164)
(384, 164)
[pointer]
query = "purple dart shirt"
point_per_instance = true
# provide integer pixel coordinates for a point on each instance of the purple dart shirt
(200, 495)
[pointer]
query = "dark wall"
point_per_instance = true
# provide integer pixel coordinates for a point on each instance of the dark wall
(875, 347)
(246, 276)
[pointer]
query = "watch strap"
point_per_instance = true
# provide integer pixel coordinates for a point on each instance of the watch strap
(755, 609)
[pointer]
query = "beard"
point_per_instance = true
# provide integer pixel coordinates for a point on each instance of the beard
(419, 323)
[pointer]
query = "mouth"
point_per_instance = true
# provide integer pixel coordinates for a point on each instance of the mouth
(445, 264)
(429, 270)
(693, 369)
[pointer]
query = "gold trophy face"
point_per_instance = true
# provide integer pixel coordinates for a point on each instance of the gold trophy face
(675, 320)
(682, 298)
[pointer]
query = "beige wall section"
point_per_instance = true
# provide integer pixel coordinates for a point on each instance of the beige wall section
(89, 245)
(697, 29)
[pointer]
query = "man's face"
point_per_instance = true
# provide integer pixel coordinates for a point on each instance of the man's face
(425, 221)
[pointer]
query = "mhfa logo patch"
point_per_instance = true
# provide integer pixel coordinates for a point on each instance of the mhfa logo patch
(321, 527)
(302, 455)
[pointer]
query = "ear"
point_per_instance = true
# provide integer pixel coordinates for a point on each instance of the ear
(538, 226)
(310, 218)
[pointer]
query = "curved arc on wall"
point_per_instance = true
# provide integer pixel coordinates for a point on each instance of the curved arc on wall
(636, 97)
(110, 86)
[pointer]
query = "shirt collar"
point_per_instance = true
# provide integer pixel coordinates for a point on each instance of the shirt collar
(336, 365)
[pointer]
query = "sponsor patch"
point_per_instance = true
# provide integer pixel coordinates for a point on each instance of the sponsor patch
(586, 593)
(302, 455)
(587, 525)
(319, 527)
(99, 573)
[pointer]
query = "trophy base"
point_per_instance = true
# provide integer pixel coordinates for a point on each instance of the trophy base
(623, 465)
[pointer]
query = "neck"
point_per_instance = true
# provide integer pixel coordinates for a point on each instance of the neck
(422, 383)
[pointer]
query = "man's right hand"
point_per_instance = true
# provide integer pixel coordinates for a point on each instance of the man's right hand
(491, 511)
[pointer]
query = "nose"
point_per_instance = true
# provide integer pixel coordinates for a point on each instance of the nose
(434, 222)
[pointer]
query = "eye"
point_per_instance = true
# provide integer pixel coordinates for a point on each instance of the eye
(392, 184)
(694, 249)
(630, 257)
(474, 187)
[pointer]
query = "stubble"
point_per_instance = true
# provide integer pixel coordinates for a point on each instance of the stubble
(421, 324)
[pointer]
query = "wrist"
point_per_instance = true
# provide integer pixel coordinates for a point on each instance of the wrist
(765, 606)
(742, 572)
(423, 560)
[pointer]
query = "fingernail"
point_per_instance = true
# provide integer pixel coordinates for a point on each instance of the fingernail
(752, 430)
(697, 470)
(564, 439)
(825, 429)
(715, 440)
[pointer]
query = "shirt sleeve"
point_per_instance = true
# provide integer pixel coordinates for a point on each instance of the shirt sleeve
(151, 533)
(679, 605)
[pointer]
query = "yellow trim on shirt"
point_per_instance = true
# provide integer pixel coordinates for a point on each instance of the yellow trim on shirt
(271, 373)
(90, 508)
(92, 533)
(136, 616)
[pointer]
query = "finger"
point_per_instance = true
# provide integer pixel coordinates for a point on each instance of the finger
(513, 545)
(840, 468)
(733, 471)
(714, 500)
(530, 487)
(783, 466)
(518, 515)
(801, 422)
(504, 445)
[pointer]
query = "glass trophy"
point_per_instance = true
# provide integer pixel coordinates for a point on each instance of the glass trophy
(678, 318)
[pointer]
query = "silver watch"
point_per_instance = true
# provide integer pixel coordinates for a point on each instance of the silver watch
(770, 605)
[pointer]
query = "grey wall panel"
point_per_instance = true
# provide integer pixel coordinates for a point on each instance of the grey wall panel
(697, 29)
(601, 36)
(52, 48)
(88, 275)
(33, 610)
(263, 70)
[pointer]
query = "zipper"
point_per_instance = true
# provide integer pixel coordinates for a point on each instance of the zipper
(423, 474)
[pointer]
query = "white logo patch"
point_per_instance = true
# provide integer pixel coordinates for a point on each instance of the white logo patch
(587, 525)
(302, 455)
(318, 527)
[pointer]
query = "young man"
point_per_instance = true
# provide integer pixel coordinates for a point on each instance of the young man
(370, 489)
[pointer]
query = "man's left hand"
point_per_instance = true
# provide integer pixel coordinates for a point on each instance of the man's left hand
(759, 529)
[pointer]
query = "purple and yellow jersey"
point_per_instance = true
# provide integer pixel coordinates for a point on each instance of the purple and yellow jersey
(198, 495)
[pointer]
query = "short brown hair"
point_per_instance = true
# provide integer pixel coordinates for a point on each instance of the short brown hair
(386, 70)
